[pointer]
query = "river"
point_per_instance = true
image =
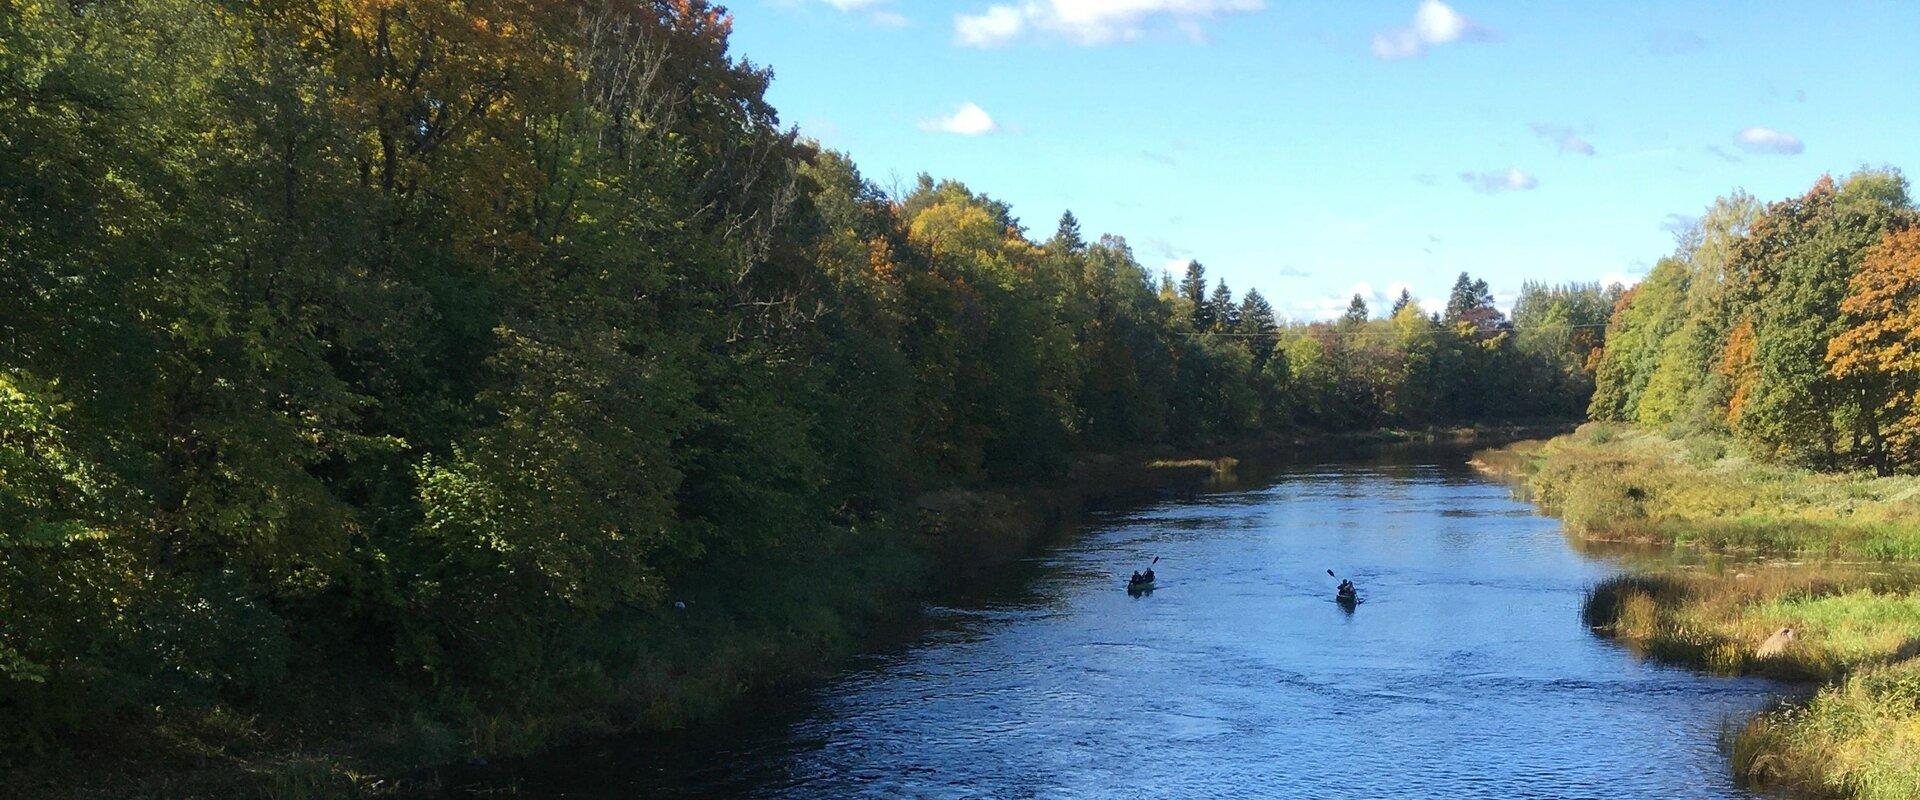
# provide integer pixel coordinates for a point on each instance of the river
(1465, 671)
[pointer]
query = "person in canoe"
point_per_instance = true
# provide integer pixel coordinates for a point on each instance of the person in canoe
(1347, 591)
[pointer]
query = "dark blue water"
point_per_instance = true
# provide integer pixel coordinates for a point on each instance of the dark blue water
(1465, 672)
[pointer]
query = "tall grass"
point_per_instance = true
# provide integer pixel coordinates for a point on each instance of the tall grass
(1857, 738)
(1851, 591)
(1616, 483)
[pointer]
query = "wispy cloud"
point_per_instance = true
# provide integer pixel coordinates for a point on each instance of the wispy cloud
(1767, 141)
(1434, 23)
(1680, 225)
(967, 120)
(1563, 138)
(875, 11)
(1511, 179)
(1091, 22)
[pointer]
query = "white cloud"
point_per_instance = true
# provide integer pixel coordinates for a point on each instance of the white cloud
(999, 25)
(1767, 141)
(1434, 23)
(873, 9)
(1438, 23)
(967, 120)
(1091, 22)
(1563, 138)
(1624, 279)
(1511, 179)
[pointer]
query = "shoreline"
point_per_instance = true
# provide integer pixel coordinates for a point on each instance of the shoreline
(1800, 577)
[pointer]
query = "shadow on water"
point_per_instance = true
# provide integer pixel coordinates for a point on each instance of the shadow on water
(1467, 672)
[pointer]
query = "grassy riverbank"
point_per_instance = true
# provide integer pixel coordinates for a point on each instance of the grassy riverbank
(1831, 557)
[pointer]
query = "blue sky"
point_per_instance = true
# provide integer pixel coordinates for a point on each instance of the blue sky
(1306, 149)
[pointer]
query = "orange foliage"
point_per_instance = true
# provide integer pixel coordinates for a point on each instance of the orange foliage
(1883, 341)
(1736, 363)
(1884, 301)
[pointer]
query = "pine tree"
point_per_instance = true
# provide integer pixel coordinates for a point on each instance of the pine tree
(1258, 326)
(1221, 311)
(1405, 299)
(1194, 288)
(1067, 237)
(1356, 311)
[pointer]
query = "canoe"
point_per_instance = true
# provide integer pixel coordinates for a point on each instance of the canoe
(1139, 586)
(1347, 597)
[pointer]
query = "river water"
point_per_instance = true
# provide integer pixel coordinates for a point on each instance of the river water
(1465, 672)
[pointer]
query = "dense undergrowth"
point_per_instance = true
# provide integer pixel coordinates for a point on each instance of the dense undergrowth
(1828, 556)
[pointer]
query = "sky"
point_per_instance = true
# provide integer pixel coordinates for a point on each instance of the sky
(1315, 150)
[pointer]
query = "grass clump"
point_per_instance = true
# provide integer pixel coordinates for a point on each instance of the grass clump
(1858, 738)
(1842, 618)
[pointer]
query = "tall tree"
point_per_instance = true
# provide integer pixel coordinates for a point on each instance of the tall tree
(1066, 237)
(1356, 313)
(1405, 299)
(1258, 326)
(1876, 359)
(1221, 310)
(1795, 267)
(1193, 287)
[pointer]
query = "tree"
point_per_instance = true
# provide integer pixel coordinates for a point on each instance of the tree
(1795, 267)
(1471, 302)
(1221, 310)
(1875, 357)
(1193, 287)
(1356, 313)
(1642, 319)
(1258, 326)
(1684, 386)
(1066, 238)
(1405, 299)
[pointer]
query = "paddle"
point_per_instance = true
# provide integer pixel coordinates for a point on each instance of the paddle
(1331, 575)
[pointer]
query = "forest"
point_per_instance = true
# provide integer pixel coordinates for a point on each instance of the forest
(437, 354)
(1788, 326)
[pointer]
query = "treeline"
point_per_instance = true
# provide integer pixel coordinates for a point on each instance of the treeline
(447, 345)
(1789, 326)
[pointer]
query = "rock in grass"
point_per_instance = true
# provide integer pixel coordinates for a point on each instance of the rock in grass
(1776, 644)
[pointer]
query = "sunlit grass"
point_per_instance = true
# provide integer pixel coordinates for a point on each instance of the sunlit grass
(1857, 738)
(1624, 484)
(1827, 556)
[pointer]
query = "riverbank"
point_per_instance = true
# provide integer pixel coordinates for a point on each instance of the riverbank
(1830, 558)
(327, 737)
